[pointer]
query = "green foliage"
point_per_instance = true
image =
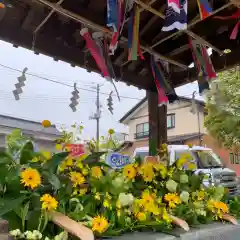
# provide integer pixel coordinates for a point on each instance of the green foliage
(234, 206)
(139, 197)
(223, 106)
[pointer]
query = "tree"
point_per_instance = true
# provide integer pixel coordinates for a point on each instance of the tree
(223, 106)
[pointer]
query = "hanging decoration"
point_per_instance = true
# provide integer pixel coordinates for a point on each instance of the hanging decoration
(133, 34)
(236, 16)
(204, 8)
(74, 98)
(203, 64)
(194, 104)
(102, 45)
(95, 52)
(110, 103)
(165, 92)
(176, 15)
(20, 84)
(115, 20)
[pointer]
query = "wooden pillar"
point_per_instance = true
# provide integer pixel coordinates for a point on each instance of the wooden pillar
(157, 123)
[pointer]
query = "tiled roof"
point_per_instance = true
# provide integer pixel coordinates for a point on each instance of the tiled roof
(27, 125)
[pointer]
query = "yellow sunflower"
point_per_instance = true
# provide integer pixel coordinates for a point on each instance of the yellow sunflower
(99, 224)
(141, 216)
(111, 131)
(46, 123)
(173, 199)
(30, 178)
(129, 171)
(148, 173)
(77, 178)
(96, 172)
(48, 202)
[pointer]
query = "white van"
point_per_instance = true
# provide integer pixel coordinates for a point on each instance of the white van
(207, 162)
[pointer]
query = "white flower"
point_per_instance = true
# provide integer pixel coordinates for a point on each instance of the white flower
(46, 238)
(37, 235)
(15, 233)
(29, 235)
(61, 236)
(125, 199)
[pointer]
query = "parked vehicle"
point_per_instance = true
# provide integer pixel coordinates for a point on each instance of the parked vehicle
(206, 161)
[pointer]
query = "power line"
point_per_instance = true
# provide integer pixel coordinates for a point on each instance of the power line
(62, 83)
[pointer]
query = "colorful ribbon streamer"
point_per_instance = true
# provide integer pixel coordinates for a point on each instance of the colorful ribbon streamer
(203, 64)
(204, 8)
(235, 31)
(133, 35)
(115, 9)
(176, 15)
(165, 92)
(95, 52)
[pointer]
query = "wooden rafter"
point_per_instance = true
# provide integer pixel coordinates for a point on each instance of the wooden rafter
(155, 12)
(105, 30)
(190, 33)
(42, 23)
(142, 31)
(190, 25)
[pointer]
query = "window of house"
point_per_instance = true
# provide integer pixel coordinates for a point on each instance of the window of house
(234, 158)
(142, 130)
(170, 121)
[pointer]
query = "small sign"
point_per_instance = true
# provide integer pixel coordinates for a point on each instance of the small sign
(76, 149)
(151, 159)
(117, 160)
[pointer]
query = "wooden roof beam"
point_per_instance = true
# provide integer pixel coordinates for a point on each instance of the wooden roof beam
(190, 33)
(190, 25)
(105, 30)
(43, 22)
(142, 9)
(155, 12)
(120, 59)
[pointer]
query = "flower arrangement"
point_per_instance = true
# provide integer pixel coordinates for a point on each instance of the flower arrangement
(109, 202)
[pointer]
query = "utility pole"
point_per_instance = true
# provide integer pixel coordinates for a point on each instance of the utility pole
(97, 115)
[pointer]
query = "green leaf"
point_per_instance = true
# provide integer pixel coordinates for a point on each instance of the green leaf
(52, 179)
(5, 158)
(24, 212)
(26, 153)
(7, 205)
(33, 219)
(52, 164)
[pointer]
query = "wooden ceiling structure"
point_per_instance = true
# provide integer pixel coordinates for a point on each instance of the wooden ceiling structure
(52, 27)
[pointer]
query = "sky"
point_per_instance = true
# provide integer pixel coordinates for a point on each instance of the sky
(42, 99)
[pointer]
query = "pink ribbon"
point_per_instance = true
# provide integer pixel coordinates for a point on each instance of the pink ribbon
(92, 47)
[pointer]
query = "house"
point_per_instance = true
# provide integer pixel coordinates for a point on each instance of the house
(185, 124)
(42, 137)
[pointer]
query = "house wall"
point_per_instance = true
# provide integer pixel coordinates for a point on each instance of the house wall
(140, 117)
(185, 121)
